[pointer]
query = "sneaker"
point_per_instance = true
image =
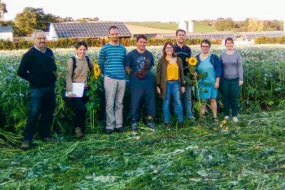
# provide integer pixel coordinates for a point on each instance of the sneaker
(192, 117)
(109, 131)
(78, 132)
(25, 145)
(215, 119)
(235, 119)
(150, 124)
(119, 130)
(134, 126)
(227, 117)
(180, 124)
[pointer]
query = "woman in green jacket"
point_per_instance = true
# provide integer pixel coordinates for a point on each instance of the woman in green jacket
(170, 82)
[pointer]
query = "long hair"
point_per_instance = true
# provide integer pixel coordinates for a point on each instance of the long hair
(164, 53)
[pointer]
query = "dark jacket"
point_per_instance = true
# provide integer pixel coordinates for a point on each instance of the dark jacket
(183, 53)
(215, 61)
(161, 75)
(38, 68)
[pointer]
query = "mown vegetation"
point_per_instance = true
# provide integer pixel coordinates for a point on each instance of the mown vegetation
(203, 155)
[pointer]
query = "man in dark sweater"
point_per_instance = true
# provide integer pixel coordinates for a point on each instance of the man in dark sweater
(39, 69)
(184, 52)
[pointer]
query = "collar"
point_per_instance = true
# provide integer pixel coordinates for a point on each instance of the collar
(76, 56)
(177, 46)
(39, 49)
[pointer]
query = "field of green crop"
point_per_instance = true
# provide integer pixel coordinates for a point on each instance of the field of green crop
(172, 26)
(202, 155)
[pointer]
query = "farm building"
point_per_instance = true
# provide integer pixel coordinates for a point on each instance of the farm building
(6, 33)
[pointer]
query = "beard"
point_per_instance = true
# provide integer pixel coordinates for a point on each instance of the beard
(115, 39)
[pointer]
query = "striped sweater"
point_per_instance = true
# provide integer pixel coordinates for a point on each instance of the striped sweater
(112, 61)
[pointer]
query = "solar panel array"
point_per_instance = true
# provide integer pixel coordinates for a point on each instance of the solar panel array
(168, 36)
(89, 30)
(147, 35)
(211, 36)
(265, 34)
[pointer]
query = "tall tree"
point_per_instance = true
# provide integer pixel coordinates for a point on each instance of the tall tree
(33, 18)
(255, 25)
(224, 24)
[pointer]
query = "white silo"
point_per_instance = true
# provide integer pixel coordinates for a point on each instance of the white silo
(183, 25)
(190, 26)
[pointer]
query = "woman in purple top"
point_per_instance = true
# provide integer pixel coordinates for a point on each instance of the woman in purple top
(232, 79)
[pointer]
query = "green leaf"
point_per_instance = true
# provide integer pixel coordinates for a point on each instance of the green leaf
(192, 69)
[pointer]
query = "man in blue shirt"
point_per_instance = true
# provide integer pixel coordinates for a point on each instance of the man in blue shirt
(138, 65)
(184, 52)
(111, 60)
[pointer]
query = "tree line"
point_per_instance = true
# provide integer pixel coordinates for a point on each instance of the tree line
(248, 25)
(35, 18)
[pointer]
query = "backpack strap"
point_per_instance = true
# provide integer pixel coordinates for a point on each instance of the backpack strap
(88, 61)
(74, 66)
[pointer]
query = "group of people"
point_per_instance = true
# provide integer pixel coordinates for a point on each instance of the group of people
(117, 65)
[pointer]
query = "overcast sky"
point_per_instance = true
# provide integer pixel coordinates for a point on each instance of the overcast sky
(153, 10)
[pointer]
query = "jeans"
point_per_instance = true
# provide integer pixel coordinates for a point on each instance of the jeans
(172, 89)
(231, 91)
(187, 101)
(42, 103)
(142, 97)
(114, 94)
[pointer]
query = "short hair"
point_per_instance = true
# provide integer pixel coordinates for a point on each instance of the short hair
(229, 39)
(37, 31)
(141, 36)
(112, 27)
(206, 41)
(180, 30)
(81, 43)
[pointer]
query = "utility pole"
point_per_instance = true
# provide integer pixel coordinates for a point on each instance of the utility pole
(3, 10)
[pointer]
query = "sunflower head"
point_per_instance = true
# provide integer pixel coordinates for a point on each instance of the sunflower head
(192, 61)
(97, 71)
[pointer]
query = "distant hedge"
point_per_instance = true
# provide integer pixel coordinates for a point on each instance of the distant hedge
(92, 42)
(265, 40)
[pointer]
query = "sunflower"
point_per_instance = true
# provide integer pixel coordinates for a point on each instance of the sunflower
(97, 71)
(192, 61)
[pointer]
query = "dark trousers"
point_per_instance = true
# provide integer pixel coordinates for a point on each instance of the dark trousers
(231, 91)
(78, 105)
(142, 97)
(42, 103)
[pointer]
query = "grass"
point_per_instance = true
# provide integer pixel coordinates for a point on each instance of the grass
(172, 26)
(245, 155)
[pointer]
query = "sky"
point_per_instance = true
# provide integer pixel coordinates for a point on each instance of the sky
(153, 10)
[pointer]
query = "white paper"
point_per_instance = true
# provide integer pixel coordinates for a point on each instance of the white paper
(77, 89)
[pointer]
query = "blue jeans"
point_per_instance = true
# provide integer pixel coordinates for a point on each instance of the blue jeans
(187, 101)
(42, 103)
(173, 89)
